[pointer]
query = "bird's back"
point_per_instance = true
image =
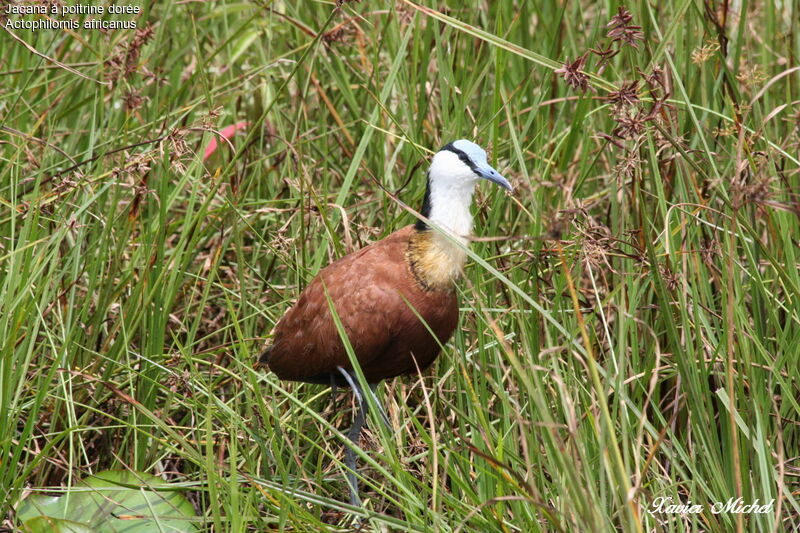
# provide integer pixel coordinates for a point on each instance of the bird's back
(377, 298)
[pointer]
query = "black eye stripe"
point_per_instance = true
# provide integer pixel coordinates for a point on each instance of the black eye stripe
(462, 156)
(420, 225)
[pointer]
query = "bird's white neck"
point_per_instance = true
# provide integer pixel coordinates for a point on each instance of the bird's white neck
(437, 252)
(449, 210)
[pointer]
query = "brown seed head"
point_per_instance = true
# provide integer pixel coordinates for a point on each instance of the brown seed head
(573, 74)
(626, 96)
(621, 30)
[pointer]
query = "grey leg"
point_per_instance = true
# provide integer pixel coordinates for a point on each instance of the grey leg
(355, 432)
(354, 435)
(350, 457)
(334, 390)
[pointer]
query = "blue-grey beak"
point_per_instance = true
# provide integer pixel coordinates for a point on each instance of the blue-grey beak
(488, 173)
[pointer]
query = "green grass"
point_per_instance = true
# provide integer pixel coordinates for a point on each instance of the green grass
(633, 334)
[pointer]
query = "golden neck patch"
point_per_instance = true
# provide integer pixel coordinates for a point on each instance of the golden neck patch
(435, 261)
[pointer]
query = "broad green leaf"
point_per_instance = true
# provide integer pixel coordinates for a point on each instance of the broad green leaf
(46, 524)
(109, 502)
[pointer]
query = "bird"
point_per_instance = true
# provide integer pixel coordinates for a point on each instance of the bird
(395, 298)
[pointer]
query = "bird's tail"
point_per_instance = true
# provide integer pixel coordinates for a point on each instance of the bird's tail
(263, 359)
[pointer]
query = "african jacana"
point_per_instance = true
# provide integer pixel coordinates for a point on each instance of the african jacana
(381, 291)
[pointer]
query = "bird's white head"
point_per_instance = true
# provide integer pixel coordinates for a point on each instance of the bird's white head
(461, 164)
(454, 171)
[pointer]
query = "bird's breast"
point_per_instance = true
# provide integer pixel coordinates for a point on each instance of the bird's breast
(435, 261)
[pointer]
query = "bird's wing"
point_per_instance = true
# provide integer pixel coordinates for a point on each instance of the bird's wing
(366, 288)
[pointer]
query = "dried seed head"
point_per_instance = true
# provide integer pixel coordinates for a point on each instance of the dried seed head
(758, 191)
(622, 18)
(208, 122)
(626, 96)
(726, 131)
(124, 62)
(621, 30)
(605, 56)
(625, 169)
(630, 126)
(596, 245)
(751, 75)
(133, 100)
(656, 79)
(573, 74)
(177, 140)
(671, 280)
(703, 53)
(142, 36)
(138, 165)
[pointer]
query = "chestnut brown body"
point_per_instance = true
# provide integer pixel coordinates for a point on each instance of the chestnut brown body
(382, 295)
